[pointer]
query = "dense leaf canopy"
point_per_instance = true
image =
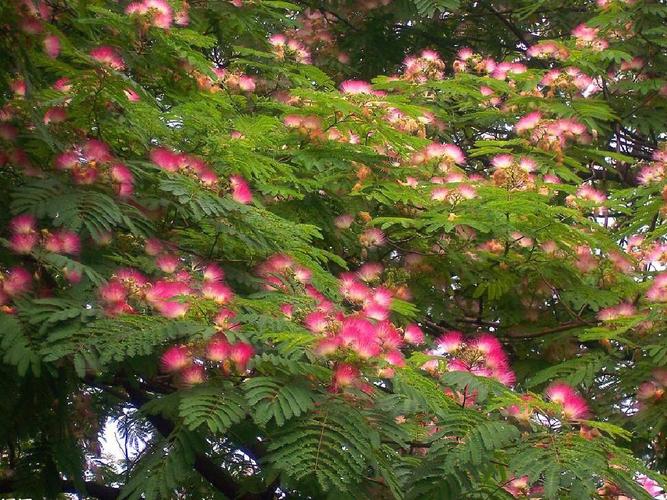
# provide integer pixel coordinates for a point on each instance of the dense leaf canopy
(347, 249)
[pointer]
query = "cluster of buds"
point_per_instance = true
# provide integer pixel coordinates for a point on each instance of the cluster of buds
(33, 16)
(426, 66)
(548, 50)
(653, 390)
(570, 80)
(404, 123)
(572, 405)
(552, 135)
(91, 160)
(169, 295)
(309, 126)
(25, 236)
(482, 355)
(236, 80)
(13, 282)
(158, 13)
(190, 364)
(289, 48)
(587, 37)
(512, 173)
(197, 169)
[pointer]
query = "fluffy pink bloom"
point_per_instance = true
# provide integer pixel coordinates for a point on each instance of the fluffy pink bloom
(450, 341)
(175, 358)
(165, 159)
(17, 281)
(113, 292)
(240, 354)
(573, 405)
(316, 322)
(108, 56)
(170, 309)
(63, 241)
(240, 189)
(23, 224)
(164, 290)
(167, 263)
(66, 160)
(161, 11)
(247, 83)
(413, 334)
(121, 174)
(356, 87)
(96, 150)
(370, 271)
(343, 221)
(345, 375)
(23, 243)
(153, 246)
(217, 291)
(218, 349)
(224, 319)
(373, 237)
(488, 344)
(62, 85)
(213, 272)
(56, 114)
(52, 46)
(528, 121)
(192, 375)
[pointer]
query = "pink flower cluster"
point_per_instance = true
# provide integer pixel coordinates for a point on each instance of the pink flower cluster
(658, 289)
(158, 12)
(471, 61)
(284, 47)
(108, 56)
(622, 310)
(588, 37)
(185, 164)
(197, 169)
(655, 171)
(520, 487)
(33, 16)
(88, 161)
(445, 156)
(552, 135)
(171, 295)
(482, 355)
(280, 269)
(190, 363)
(570, 79)
(548, 49)
(573, 406)
(426, 66)
(13, 282)
(25, 235)
(235, 80)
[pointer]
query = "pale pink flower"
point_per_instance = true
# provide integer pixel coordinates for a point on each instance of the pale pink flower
(175, 358)
(51, 46)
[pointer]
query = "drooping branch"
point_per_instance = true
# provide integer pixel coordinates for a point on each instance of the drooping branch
(92, 489)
